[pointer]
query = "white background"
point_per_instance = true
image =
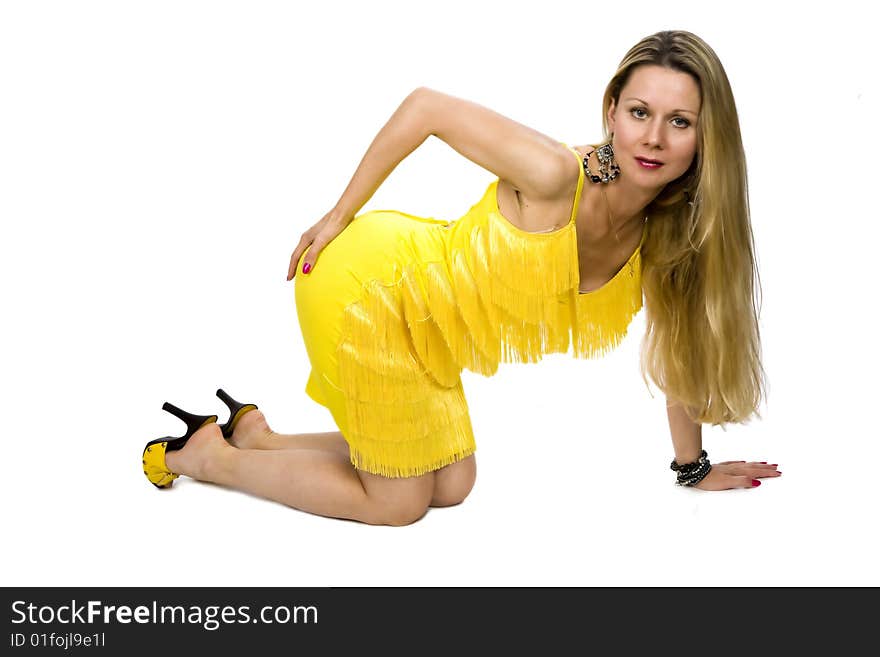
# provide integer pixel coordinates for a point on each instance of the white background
(159, 161)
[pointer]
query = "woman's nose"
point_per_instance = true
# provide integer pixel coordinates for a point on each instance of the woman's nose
(653, 133)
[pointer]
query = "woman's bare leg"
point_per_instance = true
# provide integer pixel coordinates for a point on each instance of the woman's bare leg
(253, 432)
(312, 480)
(452, 483)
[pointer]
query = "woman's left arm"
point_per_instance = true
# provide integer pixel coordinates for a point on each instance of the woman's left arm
(687, 435)
(687, 442)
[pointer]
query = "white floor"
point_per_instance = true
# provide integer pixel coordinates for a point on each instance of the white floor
(573, 487)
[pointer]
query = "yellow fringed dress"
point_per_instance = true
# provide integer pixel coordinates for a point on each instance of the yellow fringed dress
(398, 305)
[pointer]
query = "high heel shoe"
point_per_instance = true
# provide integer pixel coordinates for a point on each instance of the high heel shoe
(157, 472)
(236, 411)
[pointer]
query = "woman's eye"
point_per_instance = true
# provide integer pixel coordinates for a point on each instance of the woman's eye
(684, 122)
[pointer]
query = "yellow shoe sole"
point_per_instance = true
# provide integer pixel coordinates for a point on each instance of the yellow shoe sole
(156, 471)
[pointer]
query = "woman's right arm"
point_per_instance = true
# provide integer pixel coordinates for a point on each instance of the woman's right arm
(401, 135)
(533, 163)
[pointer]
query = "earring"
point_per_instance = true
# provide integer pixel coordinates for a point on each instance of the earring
(608, 167)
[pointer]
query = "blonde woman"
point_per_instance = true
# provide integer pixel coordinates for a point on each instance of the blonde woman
(562, 250)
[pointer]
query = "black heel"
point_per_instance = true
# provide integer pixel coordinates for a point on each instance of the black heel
(236, 411)
(153, 459)
(193, 424)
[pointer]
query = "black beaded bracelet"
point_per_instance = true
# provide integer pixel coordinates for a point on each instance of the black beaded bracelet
(688, 466)
(695, 477)
(690, 474)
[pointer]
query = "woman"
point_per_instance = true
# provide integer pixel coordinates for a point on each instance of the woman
(561, 251)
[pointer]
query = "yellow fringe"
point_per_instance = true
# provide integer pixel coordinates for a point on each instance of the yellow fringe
(539, 265)
(475, 315)
(427, 339)
(499, 295)
(422, 449)
(601, 318)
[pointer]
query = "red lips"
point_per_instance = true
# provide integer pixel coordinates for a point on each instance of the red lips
(648, 160)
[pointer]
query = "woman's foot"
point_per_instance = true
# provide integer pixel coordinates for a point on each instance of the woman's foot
(202, 451)
(251, 430)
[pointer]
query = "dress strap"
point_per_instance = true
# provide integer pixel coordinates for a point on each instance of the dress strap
(580, 185)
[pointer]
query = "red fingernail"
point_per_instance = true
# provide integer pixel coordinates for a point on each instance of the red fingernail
(774, 464)
(764, 462)
(307, 268)
(755, 482)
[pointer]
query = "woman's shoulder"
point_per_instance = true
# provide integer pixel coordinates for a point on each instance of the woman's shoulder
(547, 213)
(570, 174)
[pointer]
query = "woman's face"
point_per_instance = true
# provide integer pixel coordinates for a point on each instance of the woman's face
(655, 119)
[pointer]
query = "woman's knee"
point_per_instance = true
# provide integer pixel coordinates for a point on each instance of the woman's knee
(400, 516)
(453, 483)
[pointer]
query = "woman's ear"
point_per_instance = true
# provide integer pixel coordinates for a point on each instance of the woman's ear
(612, 108)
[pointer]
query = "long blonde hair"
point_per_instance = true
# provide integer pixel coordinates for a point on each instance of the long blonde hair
(702, 345)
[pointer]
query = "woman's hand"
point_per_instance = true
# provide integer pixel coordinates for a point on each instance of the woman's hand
(318, 236)
(737, 474)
